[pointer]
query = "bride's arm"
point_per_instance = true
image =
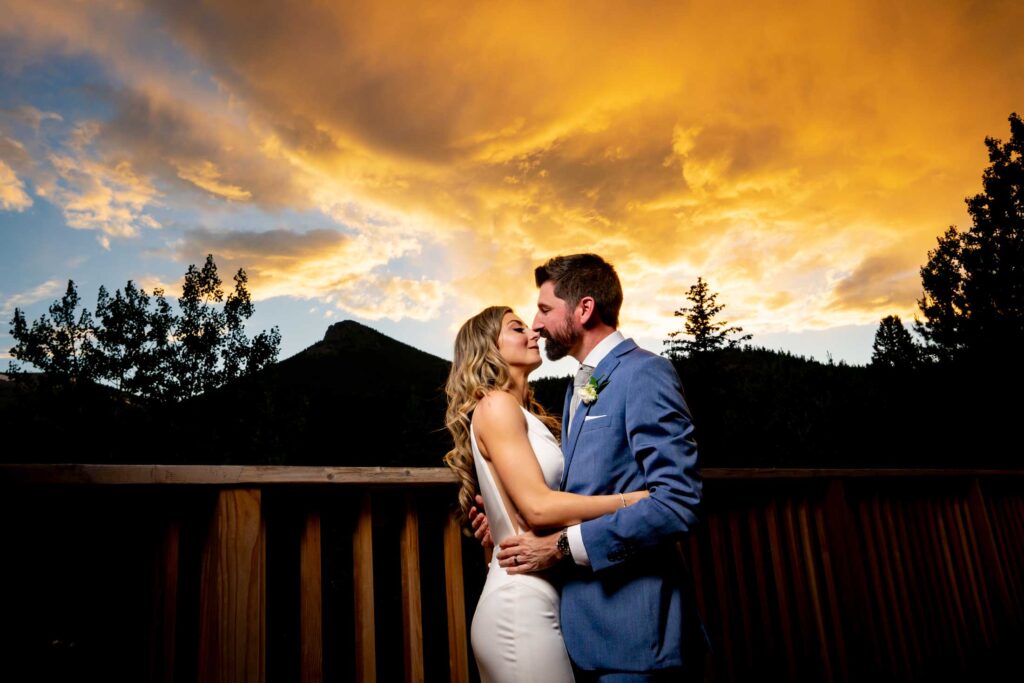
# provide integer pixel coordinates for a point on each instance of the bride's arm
(500, 426)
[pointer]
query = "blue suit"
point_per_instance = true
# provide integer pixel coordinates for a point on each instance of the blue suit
(634, 608)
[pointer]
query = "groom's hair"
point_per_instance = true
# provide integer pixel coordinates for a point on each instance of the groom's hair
(580, 275)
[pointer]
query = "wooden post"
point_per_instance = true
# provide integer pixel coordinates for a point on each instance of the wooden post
(165, 605)
(412, 620)
(362, 559)
(458, 655)
(232, 596)
(311, 633)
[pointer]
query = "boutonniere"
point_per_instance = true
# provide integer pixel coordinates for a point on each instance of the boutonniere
(590, 390)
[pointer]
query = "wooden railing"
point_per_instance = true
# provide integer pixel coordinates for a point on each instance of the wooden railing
(225, 511)
(295, 573)
(857, 575)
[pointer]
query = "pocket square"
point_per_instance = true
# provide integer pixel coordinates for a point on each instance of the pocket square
(587, 418)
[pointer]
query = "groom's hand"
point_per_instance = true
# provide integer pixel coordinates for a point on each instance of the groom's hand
(528, 552)
(481, 529)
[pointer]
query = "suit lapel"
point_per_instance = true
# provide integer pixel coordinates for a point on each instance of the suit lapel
(603, 371)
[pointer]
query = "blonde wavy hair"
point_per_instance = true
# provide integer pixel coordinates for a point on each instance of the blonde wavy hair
(477, 370)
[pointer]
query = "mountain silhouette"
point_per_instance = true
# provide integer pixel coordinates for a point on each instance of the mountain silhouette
(357, 397)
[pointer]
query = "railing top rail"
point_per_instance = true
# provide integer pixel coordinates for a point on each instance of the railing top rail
(225, 475)
(265, 475)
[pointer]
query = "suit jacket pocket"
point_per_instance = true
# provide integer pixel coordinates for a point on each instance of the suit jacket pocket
(592, 422)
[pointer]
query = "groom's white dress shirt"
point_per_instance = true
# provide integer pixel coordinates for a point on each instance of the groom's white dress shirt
(596, 355)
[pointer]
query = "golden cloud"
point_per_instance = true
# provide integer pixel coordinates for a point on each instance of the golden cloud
(801, 159)
(12, 190)
(347, 271)
(204, 175)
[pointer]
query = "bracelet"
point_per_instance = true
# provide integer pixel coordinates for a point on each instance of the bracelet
(623, 499)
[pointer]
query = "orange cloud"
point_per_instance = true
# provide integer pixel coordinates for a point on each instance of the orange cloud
(802, 159)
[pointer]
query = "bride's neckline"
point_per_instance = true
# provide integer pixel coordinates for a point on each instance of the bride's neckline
(532, 415)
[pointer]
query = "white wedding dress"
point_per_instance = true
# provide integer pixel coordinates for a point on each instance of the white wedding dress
(516, 634)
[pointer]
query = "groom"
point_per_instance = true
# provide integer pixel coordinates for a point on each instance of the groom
(628, 605)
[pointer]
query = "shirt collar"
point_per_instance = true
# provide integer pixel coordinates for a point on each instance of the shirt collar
(603, 348)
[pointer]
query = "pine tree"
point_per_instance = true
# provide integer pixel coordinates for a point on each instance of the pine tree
(973, 301)
(894, 347)
(707, 334)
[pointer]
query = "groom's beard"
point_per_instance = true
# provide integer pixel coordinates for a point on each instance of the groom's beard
(557, 344)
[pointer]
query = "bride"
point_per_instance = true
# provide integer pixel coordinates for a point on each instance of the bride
(505, 446)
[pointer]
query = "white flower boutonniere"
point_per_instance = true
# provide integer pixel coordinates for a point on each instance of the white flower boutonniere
(590, 390)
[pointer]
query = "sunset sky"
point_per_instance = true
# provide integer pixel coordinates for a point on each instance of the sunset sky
(406, 168)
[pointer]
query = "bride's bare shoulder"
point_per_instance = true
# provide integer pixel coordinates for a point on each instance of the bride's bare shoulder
(498, 409)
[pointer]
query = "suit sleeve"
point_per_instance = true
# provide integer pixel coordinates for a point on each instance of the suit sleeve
(659, 430)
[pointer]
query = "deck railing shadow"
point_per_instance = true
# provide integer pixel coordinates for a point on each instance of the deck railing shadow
(235, 573)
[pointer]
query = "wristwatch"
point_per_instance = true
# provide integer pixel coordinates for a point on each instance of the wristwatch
(563, 544)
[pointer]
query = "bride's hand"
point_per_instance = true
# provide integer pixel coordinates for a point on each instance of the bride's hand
(634, 496)
(481, 527)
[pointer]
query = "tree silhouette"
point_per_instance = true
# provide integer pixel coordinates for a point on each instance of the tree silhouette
(154, 355)
(973, 301)
(61, 346)
(894, 347)
(707, 334)
(133, 340)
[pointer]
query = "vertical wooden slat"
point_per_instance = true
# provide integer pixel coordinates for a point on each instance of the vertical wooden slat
(779, 574)
(412, 620)
(720, 572)
(232, 629)
(458, 656)
(1010, 544)
(903, 602)
(742, 568)
(878, 597)
(767, 633)
(916, 579)
(989, 551)
(362, 573)
(858, 619)
(805, 630)
(937, 565)
(948, 527)
(935, 606)
(888, 562)
(975, 573)
(311, 633)
(949, 575)
(165, 606)
(828, 578)
(815, 591)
